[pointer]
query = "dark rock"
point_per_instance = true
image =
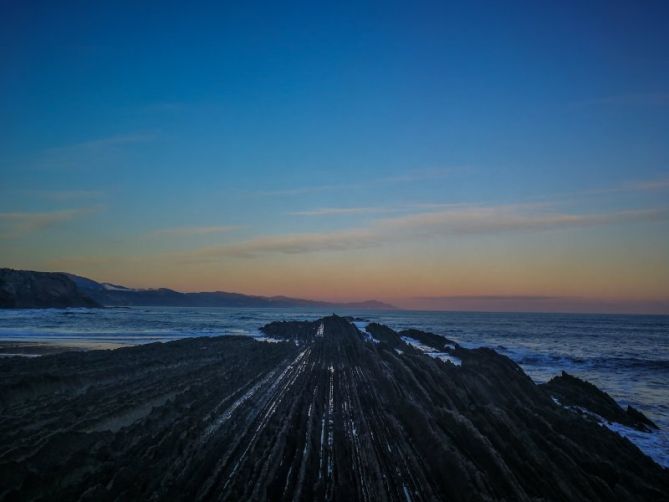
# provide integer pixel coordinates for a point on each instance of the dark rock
(637, 417)
(571, 391)
(297, 331)
(385, 335)
(27, 289)
(332, 418)
(437, 342)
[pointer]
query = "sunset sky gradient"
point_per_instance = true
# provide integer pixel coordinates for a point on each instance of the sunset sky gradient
(457, 155)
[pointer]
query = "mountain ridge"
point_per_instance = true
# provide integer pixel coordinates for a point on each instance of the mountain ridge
(109, 294)
(31, 289)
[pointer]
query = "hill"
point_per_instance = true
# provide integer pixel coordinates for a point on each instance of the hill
(114, 295)
(27, 289)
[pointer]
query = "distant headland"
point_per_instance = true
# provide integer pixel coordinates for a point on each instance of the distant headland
(30, 289)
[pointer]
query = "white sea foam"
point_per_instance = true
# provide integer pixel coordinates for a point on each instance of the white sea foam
(415, 343)
(267, 339)
(446, 357)
(655, 444)
(362, 327)
(368, 337)
(443, 356)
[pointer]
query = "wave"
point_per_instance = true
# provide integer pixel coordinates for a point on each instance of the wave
(531, 358)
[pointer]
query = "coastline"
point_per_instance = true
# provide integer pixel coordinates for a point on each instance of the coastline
(329, 409)
(9, 348)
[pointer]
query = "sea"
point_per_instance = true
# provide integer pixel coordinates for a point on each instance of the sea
(626, 356)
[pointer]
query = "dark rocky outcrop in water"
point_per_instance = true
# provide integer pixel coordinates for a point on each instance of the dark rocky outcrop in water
(331, 413)
(581, 395)
(430, 339)
(27, 289)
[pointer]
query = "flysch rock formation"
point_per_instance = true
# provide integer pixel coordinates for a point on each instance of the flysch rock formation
(585, 398)
(326, 410)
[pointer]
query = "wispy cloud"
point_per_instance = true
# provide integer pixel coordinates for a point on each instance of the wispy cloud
(427, 225)
(106, 142)
(17, 224)
(423, 206)
(524, 298)
(71, 263)
(166, 106)
(630, 99)
(410, 176)
(512, 218)
(286, 244)
(648, 185)
(65, 195)
(627, 187)
(338, 211)
(436, 174)
(89, 152)
(305, 190)
(400, 208)
(651, 185)
(415, 175)
(186, 231)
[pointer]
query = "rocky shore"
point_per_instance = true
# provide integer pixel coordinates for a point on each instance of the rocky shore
(329, 410)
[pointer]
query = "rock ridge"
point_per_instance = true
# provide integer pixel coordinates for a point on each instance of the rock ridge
(326, 410)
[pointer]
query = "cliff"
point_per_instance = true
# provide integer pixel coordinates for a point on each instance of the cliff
(27, 289)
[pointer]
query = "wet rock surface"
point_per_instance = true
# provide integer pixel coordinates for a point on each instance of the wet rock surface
(578, 394)
(330, 412)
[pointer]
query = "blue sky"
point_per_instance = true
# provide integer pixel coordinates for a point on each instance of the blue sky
(266, 148)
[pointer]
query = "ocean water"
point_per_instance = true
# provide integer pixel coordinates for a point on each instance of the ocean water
(627, 356)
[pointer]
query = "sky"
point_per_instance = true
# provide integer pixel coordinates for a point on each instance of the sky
(446, 155)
